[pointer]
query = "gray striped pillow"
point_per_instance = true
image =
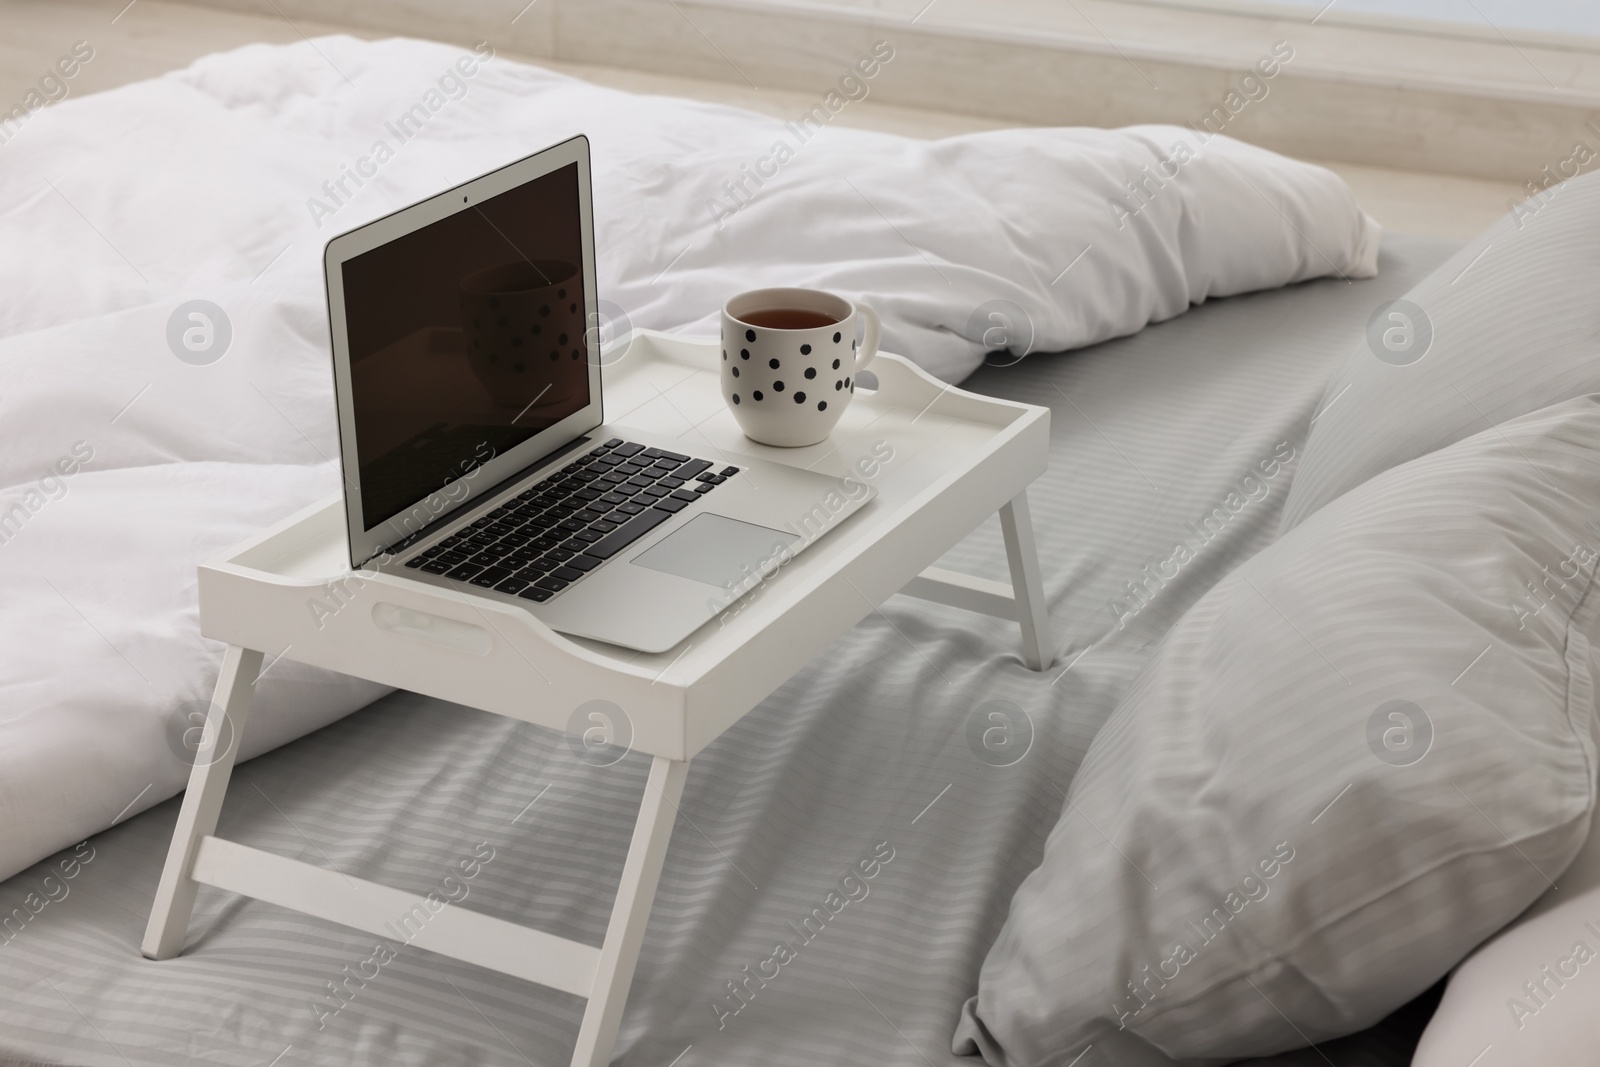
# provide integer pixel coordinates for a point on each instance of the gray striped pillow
(1508, 325)
(1355, 758)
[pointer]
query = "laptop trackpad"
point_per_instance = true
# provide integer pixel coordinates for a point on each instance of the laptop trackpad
(717, 550)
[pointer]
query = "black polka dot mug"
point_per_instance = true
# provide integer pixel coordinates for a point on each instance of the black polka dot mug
(523, 323)
(790, 359)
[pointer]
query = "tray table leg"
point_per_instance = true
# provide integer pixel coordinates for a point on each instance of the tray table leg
(208, 783)
(1016, 525)
(630, 913)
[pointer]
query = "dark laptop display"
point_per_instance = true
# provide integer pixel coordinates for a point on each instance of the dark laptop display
(476, 452)
(466, 338)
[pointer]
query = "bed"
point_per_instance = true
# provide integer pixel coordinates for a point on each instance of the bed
(1215, 427)
(867, 745)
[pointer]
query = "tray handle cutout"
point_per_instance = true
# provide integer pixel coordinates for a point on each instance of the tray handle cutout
(434, 629)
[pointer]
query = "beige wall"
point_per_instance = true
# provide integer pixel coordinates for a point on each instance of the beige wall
(1465, 105)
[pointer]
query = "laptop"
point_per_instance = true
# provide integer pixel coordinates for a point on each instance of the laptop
(475, 450)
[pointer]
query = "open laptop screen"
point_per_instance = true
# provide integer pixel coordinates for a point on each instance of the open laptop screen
(466, 338)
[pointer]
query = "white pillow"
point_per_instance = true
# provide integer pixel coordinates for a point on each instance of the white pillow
(1489, 1012)
(1355, 758)
(1508, 325)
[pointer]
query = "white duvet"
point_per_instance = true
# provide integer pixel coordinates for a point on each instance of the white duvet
(123, 466)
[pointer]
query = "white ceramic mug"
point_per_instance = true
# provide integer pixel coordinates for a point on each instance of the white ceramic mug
(790, 359)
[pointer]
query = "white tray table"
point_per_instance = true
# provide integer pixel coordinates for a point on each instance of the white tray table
(957, 458)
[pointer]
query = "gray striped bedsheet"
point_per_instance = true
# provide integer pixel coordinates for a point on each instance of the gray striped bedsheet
(870, 752)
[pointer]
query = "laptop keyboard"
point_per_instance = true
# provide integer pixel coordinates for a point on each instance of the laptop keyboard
(557, 531)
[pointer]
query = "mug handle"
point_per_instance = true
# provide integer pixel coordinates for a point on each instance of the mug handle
(869, 343)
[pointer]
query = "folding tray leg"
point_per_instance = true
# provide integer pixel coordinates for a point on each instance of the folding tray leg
(208, 783)
(1016, 525)
(631, 912)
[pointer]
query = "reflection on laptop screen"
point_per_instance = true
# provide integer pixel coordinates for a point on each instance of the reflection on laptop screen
(466, 338)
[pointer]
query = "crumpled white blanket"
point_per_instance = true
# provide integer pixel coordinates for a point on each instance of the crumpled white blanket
(122, 466)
